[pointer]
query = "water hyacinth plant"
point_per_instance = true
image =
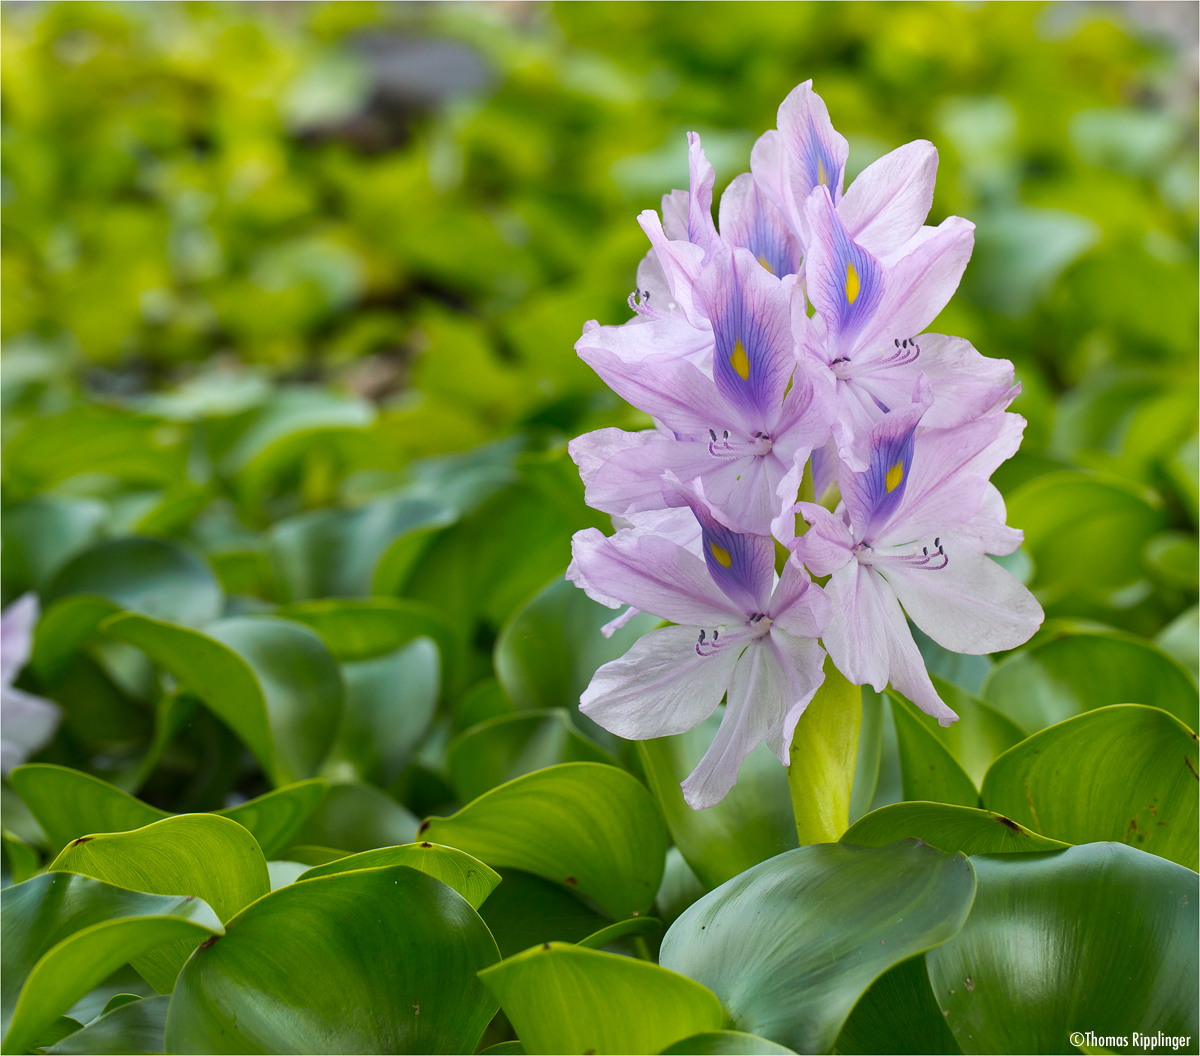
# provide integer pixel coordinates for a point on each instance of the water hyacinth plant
(843, 730)
(762, 383)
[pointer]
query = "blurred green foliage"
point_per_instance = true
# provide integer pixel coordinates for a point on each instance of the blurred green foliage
(296, 287)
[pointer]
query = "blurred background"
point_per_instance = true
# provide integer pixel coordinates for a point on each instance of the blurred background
(295, 285)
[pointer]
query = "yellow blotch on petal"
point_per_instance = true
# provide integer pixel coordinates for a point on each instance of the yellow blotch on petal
(851, 284)
(894, 476)
(763, 261)
(722, 555)
(739, 360)
(822, 175)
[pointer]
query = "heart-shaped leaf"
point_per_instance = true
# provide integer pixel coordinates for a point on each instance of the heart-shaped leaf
(137, 1026)
(634, 926)
(752, 823)
(500, 749)
(376, 960)
(1125, 773)
(526, 910)
(65, 626)
(549, 649)
(947, 827)
(564, 998)
(592, 827)
(200, 855)
(301, 686)
(1107, 945)
(153, 577)
(357, 817)
(928, 770)
(211, 670)
(980, 734)
(468, 876)
(1073, 670)
(361, 629)
(898, 1014)
(69, 804)
(791, 945)
(334, 552)
(64, 934)
(390, 702)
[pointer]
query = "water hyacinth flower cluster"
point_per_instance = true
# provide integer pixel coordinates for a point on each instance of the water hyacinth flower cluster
(782, 356)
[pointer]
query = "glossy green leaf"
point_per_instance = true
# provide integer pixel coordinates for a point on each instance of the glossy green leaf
(334, 553)
(947, 827)
(22, 860)
(64, 626)
(980, 734)
(589, 826)
(356, 629)
(752, 823)
(468, 876)
(62, 1027)
(725, 1043)
(898, 1014)
(870, 754)
(276, 816)
(211, 670)
(526, 910)
(484, 700)
(1124, 773)
(1180, 639)
(564, 998)
(41, 535)
(928, 769)
(376, 960)
(300, 682)
(549, 649)
(199, 855)
(1108, 945)
(678, 890)
(634, 926)
(1066, 674)
(1085, 532)
(506, 747)
(135, 1027)
(152, 577)
(358, 817)
(791, 945)
(69, 804)
(389, 704)
(63, 934)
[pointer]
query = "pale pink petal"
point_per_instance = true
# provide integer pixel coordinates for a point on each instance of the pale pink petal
(760, 695)
(798, 605)
(661, 687)
(888, 202)
(906, 666)
(749, 220)
(651, 573)
(16, 635)
(948, 478)
(674, 392)
(680, 263)
(857, 634)
(701, 229)
(827, 545)
(969, 604)
(670, 336)
(591, 450)
(27, 725)
(804, 659)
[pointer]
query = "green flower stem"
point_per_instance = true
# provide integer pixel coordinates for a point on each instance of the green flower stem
(824, 752)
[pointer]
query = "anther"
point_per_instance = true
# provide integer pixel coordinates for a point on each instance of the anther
(713, 434)
(726, 434)
(924, 550)
(937, 541)
(701, 638)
